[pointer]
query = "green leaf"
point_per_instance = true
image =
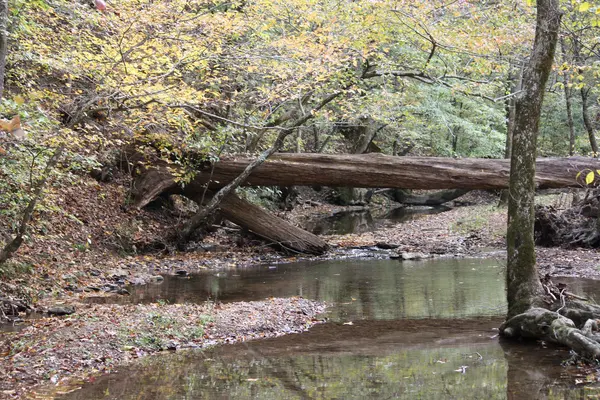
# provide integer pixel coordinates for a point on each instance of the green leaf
(589, 178)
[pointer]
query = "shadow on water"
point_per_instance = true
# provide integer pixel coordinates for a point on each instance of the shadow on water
(345, 222)
(420, 330)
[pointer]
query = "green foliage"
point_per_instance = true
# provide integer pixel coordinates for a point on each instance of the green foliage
(12, 269)
(159, 330)
(264, 196)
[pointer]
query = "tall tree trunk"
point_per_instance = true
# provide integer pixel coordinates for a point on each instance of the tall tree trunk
(3, 42)
(515, 82)
(522, 280)
(568, 101)
(585, 92)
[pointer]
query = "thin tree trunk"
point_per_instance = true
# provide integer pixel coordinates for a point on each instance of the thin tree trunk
(586, 120)
(3, 42)
(13, 245)
(568, 101)
(522, 280)
(198, 219)
(515, 83)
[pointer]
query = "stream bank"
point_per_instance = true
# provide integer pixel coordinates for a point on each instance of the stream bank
(461, 232)
(99, 338)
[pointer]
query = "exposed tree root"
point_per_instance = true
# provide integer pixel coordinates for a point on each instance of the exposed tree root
(567, 321)
(540, 323)
(578, 226)
(10, 308)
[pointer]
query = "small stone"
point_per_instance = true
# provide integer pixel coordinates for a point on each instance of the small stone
(137, 281)
(91, 289)
(386, 246)
(182, 272)
(414, 256)
(156, 278)
(61, 310)
(109, 287)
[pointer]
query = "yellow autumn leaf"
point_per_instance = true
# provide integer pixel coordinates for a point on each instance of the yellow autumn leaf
(20, 100)
(589, 178)
(583, 7)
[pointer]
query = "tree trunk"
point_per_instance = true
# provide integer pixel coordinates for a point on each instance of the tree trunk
(381, 171)
(268, 226)
(515, 84)
(524, 289)
(13, 245)
(568, 101)
(586, 120)
(3, 42)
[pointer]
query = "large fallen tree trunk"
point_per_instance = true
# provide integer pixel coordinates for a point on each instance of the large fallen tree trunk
(159, 179)
(381, 171)
(266, 225)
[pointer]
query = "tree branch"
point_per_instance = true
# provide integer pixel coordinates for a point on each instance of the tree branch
(12, 246)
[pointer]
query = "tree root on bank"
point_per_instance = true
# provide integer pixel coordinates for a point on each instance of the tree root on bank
(10, 308)
(540, 323)
(571, 323)
(578, 226)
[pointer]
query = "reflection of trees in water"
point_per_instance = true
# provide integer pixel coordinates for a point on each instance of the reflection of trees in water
(361, 289)
(407, 360)
(365, 220)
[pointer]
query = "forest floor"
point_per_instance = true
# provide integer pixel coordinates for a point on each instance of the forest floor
(88, 249)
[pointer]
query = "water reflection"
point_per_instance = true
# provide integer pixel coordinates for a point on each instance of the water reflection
(362, 221)
(360, 289)
(412, 359)
(420, 330)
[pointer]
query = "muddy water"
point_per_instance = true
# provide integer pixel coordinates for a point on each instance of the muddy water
(419, 330)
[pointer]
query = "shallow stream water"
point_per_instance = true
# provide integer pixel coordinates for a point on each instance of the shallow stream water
(396, 330)
(362, 221)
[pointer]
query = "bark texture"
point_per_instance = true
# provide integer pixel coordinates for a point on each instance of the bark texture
(159, 180)
(524, 289)
(268, 226)
(587, 122)
(382, 171)
(3, 42)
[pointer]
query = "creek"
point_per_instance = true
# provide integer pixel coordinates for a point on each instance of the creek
(405, 330)
(361, 221)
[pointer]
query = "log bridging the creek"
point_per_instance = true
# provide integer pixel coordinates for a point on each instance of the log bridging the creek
(381, 171)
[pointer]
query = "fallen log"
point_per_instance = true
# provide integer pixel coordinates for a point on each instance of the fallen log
(268, 226)
(158, 180)
(382, 171)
